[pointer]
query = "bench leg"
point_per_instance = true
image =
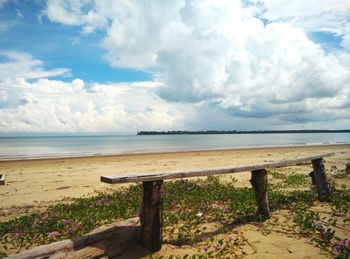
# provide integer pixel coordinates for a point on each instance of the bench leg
(321, 180)
(259, 183)
(152, 215)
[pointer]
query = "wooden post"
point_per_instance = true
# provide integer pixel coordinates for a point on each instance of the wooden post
(347, 168)
(152, 215)
(321, 180)
(312, 176)
(259, 183)
(2, 179)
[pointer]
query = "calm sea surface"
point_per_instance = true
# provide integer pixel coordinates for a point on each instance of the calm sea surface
(36, 147)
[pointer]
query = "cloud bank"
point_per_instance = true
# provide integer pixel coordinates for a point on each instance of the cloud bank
(56, 106)
(216, 64)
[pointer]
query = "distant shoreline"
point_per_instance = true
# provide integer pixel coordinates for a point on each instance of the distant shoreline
(207, 132)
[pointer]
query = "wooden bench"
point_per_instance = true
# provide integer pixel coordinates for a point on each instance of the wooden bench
(151, 216)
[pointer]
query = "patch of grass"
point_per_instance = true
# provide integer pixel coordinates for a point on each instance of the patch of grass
(69, 220)
(290, 178)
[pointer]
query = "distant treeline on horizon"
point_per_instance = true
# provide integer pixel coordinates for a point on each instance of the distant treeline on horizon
(200, 132)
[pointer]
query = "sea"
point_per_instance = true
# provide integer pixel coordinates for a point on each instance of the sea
(13, 148)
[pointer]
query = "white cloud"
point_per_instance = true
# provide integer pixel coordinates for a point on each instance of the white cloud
(209, 56)
(277, 9)
(331, 16)
(71, 13)
(20, 64)
(56, 106)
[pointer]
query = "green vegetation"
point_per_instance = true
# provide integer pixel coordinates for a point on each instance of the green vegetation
(190, 206)
(202, 132)
(291, 178)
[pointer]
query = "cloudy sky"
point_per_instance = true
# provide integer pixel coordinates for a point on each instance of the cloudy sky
(121, 65)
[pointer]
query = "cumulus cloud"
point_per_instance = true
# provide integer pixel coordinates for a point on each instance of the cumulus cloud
(250, 62)
(49, 105)
(21, 64)
(331, 16)
(72, 13)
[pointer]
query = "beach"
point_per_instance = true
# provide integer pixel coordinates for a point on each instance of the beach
(33, 185)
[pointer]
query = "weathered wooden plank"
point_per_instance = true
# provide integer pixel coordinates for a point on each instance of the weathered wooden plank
(152, 215)
(321, 180)
(259, 183)
(113, 179)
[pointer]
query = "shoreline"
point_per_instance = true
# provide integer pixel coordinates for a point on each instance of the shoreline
(170, 151)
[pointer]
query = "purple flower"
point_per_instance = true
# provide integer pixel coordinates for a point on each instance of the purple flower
(216, 247)
(215, 206)
(53, 234)
(337, 248)
(204, 237)
(71, 229)
(66, 222)
(205, 249)
(343, 242)
(17, 234)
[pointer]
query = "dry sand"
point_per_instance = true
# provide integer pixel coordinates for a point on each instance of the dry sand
(35, 184)
(32, 185)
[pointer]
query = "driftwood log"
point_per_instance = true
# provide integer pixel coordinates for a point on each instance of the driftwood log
(107, 242)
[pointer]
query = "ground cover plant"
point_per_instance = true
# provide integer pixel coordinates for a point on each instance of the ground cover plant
(203, 213)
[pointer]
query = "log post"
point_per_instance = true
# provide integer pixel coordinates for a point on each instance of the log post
(312, 176)
(259, 183)
(152, 215)
(347, 168)
(321, 180)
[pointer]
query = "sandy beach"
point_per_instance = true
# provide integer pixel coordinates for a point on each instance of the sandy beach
(32, 185)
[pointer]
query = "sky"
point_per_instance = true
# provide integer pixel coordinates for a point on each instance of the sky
(121, 66)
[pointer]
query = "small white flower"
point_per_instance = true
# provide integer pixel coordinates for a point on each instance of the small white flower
(199, 214)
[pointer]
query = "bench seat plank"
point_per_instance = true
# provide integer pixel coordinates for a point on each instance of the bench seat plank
(129, 178)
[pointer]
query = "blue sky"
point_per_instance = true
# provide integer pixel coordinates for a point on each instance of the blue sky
(59, 45)
(123, 66)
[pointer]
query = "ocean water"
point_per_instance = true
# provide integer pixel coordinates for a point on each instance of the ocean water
(73, 146)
